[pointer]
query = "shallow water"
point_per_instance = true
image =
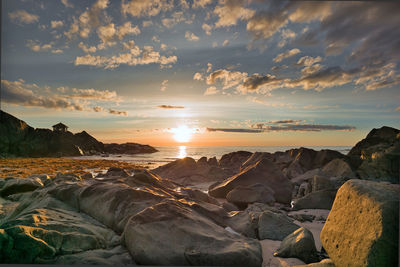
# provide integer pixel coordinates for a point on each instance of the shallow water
(170, 153)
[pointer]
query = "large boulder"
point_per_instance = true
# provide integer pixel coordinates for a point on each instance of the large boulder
(190, 240)
(243, 195)
(338, 168)
(299, 244)
(232, 162)
(263, 172)
(362, 228)
(275, 226)
(378, 155)
(322, 199)
(187, 171)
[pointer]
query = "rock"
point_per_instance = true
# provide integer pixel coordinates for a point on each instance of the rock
(243, 195)
(308, 175)
(187, 171)
(117, 256)
(212, 161)
(378, 155)
(362, 228)
(128, 148)
(338, 168)
(256, 157)
(114, 171)
(321, 183)
(229, 206)
(245, 223)
(323, 263)
(232, 162)
(190, 239)
(263, 172)
(14, 186)
(87, 175)
(322, 199)
(202, 160)
(302, 217)
(275, 226)
(299, 244)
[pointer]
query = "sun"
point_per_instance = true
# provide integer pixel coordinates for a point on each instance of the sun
(182, 134)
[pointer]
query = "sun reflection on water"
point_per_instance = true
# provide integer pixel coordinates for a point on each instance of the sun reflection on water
(182, 152)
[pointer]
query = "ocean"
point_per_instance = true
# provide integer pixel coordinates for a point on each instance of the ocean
(170, 153)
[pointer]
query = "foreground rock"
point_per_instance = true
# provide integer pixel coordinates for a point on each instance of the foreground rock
(362, 228)
(118, 219)
(263, 172)
(190, 240)
(299, 244)
(275, 226)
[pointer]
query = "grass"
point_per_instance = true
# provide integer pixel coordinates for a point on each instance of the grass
(24, 167)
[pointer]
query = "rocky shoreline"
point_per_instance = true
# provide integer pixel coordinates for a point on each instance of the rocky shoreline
(18, 139)
(290, 208)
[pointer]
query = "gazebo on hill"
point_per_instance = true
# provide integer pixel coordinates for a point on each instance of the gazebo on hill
(59, 127)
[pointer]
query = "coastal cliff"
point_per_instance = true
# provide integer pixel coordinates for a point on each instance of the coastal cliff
(21, 140)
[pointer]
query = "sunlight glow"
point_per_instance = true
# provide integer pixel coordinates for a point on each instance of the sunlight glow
(182, 134)
(182, 152)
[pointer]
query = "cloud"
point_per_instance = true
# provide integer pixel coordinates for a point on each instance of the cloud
(57, 51)
(147, 23)
(198, 76)
(308, 61)
(164, 85)
(87, 49)
(261, 128)
(230, 11)
(212, 90)
(321, 107)
(229, 130)
(106, 33)
(67, 4)
(145, 8)
(286, 35)
(201, 3)
(21, 16)
(177, 17)
(207, 28)
(126, 29)
(225, 43)
(37, 47)
(228, 78)
(398, 108)
(131, 58)
(209, 67)
(255, 81)
(56, 24)
(62, 98)
(94, 94)
(170, 107)
(285, 121)
(22, 94)
(116, 112)
(191, 36)
(287, 54)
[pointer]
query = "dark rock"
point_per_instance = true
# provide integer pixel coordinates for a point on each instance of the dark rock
(14, 186)
(187, 171)
(232, 162)
(302, 217)
(275, 226)
(263, 172)
(128, 148)
(338, 168)
(243, 195)
(202, 160)
(322, 199)
(299, 244)
(321, 183)
(229, 206)
(212, 161)
(362, 228)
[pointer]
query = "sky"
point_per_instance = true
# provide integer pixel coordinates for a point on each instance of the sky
(202, 72)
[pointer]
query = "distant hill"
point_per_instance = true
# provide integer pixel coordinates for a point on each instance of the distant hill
(21, 140)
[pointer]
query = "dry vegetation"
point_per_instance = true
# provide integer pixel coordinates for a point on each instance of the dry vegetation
(24, 167)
